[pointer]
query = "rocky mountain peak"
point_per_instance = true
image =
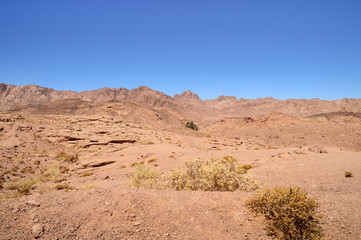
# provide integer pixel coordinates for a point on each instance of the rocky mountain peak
(187, 95)
(223, 98)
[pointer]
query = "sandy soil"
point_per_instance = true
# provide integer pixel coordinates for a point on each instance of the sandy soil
(311, 153)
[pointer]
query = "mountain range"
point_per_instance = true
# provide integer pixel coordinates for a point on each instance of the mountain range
(184, 106)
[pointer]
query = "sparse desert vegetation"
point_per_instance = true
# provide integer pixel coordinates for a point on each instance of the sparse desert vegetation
(223, 174)
(289, 212)
(102, 163)
(210, 175)
(192, 125)
(144, 177)
(70, 158)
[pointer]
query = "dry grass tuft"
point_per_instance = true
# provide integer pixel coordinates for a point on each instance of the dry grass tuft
(289, 213)
(152, 160)
(144, 177)
(22, 186)
(69, 158)
(245, 168)
(88, 187)
(87, 174)
(348, 174)
(52, 173)
(61, 186)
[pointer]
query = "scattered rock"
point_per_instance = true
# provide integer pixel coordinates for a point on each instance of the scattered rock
(118, 141)
(24, 128)
(37, 230)
(317, 149)
(69, 138)
(15, 210)
(95, 144)
(98, 164)
(32, 203)
(121, 141)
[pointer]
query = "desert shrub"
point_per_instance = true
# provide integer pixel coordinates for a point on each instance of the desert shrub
(289, 213)
(150, 143)
(69, 158)
(191, 125)
(348, 174)
(211, 175)
(144, 177)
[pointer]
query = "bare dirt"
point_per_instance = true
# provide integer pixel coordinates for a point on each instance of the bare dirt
(97, 202)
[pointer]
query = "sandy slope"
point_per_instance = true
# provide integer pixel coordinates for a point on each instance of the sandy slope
(306, 152)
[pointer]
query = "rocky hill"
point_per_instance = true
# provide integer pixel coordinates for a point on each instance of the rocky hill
(187, 105)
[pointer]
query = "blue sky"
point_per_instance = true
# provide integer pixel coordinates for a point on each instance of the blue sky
(249, 49)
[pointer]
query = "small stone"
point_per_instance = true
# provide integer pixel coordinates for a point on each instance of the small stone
(33, 203)
(37, 230)
(15, 210)
(136, 223)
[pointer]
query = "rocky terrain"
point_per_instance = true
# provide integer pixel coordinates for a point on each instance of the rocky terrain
(187, 104)
(67, 158)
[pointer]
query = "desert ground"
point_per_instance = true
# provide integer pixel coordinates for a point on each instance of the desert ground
(80, 164)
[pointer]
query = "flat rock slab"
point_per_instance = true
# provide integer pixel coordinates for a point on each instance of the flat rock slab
(114, 141)
(98, 164)
(70, 138)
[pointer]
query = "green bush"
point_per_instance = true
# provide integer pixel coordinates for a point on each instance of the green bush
(289, 213)
(191, 125)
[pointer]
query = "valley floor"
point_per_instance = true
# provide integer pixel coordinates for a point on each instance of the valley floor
(71, 177)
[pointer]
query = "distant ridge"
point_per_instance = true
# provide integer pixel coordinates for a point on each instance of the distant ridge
(188, 103)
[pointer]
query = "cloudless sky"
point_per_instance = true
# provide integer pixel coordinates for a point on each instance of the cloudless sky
(246, 48)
